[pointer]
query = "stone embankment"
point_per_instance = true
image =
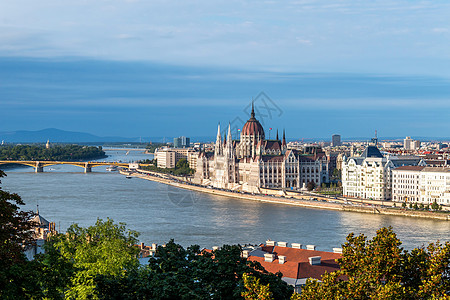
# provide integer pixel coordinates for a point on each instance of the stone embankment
(290, 199)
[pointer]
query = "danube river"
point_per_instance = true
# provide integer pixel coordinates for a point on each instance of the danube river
(66, 195)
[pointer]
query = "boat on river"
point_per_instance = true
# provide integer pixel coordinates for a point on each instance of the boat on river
(111, 168)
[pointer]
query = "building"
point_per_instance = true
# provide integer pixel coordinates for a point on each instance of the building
(165, 158)
(42, 231)
(406, 183)
(181, 142)
(168, 157)
(369, 176)
(421, 185)
(435, 185)
(336, 140)
(295, 263)
(410, 144)
(253, 162)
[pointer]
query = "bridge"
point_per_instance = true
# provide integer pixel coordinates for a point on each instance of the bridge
(39, 165)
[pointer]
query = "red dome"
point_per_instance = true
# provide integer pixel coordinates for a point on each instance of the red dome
(253, 127)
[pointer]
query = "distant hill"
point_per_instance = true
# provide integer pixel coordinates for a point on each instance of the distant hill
(57, 136)
(62, 136)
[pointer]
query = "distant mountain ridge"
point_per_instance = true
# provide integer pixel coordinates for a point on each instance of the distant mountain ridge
(57, 136)
(63, 136)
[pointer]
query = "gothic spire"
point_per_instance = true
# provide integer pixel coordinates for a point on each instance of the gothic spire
(252, 115)
(277, 134)
(284, 138)
(229, 133)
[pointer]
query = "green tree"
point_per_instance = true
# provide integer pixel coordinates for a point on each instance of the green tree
(18, 277)
(103, 249)
(255, 290)
(381, 269)
(434, 206)
(311, 185)
(179, 273)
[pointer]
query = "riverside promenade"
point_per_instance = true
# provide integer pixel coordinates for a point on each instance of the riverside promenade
(313, 201)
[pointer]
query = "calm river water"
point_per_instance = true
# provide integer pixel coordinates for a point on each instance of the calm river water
(66, 195)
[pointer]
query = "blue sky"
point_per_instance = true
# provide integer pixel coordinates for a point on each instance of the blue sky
(168, 68)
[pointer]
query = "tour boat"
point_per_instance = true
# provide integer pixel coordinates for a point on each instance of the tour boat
(111, 168)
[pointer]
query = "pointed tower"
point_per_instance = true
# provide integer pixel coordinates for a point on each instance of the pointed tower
(277, 135)
(229, 151)
(283, 143)
(218, 147)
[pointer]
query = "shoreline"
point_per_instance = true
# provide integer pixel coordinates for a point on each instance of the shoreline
(294, 201)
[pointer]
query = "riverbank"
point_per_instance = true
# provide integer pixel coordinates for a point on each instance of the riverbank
(316, 202)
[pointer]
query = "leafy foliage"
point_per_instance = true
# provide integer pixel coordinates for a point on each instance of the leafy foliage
(179, 273)
(181, 168)
(103, 249)
(381, 269)
(255, 290)
(55, 152)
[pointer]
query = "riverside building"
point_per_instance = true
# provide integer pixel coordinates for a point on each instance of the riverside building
(421, 185)
(253, 162)
(369, 176)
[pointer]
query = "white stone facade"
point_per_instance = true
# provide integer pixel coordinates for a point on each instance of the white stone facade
(370, 175)
(253, 163)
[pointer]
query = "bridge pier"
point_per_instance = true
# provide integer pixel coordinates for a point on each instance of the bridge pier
(87, 168)
(39, 168)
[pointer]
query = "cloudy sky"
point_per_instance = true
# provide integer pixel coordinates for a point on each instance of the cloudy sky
(180, 67)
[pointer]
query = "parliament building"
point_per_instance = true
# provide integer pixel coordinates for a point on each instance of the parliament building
(253, 163)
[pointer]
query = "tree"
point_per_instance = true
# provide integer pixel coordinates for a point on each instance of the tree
(178, 273)
(103, 249)
(434, 206)
(255, 290)
(311, 185)
(17, 275)
(381, 269)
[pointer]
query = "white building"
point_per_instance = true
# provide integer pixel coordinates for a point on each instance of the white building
(166, 158)
(369, 176)
(406, 183)
(435, 185)
(253, 162)
(410, 144)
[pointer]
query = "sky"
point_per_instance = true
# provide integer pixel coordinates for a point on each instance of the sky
(171, 68)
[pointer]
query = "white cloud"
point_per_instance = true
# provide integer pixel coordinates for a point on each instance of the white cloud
(440, 30)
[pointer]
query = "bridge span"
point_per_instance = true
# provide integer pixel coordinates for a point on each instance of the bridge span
(39, 165)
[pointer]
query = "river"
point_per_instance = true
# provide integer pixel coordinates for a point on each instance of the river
(66, 195)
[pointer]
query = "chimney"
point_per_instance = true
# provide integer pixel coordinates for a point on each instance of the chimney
(281, 259)
(269, 257)
(310, 247)
(296, 246)
(142, 245)
(245, 253)
(282, 244)
(214, 248)
(314, 260)
(337, 250)
(270, 243)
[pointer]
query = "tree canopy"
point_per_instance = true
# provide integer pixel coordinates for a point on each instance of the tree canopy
(380, 269)
(55, 152)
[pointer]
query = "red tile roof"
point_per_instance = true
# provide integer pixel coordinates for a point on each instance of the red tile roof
(297, 262)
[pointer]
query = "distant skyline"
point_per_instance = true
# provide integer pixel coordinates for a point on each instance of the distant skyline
(158, 68)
